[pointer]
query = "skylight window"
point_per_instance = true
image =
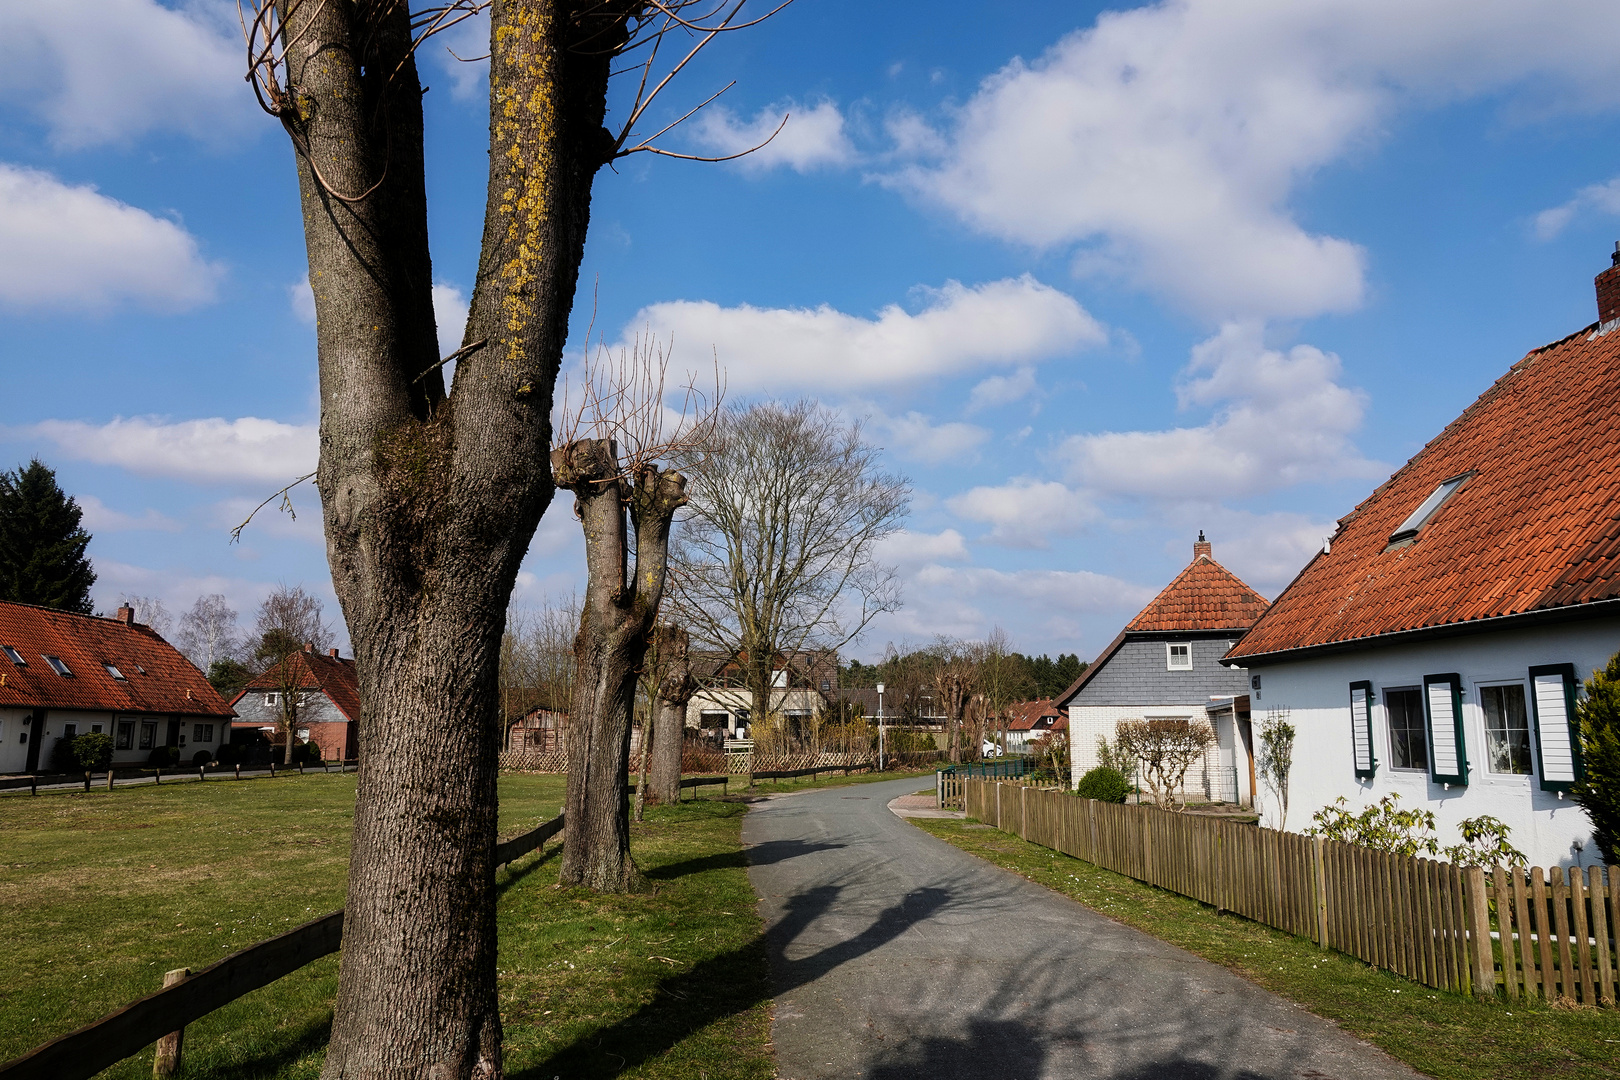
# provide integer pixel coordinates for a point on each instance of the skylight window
(113, 671)
(57, 665)
(13, 655)
(1428, 508)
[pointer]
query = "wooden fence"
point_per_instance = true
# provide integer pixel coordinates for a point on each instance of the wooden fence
(1465, 929)
(188, 996)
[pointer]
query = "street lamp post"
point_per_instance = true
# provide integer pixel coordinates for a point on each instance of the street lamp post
(880, 727)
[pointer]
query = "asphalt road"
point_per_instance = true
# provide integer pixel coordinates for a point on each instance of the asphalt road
(895, 955)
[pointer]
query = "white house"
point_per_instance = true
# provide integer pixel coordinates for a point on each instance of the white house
(1435, 646)
(1166, 663)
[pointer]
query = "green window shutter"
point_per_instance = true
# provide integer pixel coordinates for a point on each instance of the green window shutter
(1361, 729)
(1558, 743)
(1442, 708)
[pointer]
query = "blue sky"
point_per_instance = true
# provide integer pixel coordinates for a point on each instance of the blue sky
(1095, 278)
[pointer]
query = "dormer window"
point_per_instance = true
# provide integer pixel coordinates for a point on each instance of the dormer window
(57, 665)
(13, 655)
(1428, 508)
(114, 672)
(1178, 656)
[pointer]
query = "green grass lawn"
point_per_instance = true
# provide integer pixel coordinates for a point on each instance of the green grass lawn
(1444, 1035)
(108, 891)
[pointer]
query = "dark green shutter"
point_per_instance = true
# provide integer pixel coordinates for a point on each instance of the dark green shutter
(1442, 709)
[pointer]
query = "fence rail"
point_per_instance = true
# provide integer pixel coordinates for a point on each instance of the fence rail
(163, 1015)
(948, 781)
(1466, 929)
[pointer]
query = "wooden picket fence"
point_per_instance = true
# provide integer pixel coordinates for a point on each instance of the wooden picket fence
(1510, 931)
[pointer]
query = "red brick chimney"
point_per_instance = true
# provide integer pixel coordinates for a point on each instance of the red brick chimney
(1202, 548)
(309, 646)
(333, 653)
(1608, 290)
(126, 615)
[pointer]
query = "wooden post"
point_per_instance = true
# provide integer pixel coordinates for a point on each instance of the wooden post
(1480, 919)
(110, 772)
(33, 784)
(158, 777)
(239, 770)
(1321, 890)
(272, 768)
(167, 1061)
(87, 780)
(200, 772)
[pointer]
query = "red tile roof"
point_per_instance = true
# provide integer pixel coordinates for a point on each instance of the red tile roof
(1205, 596)
(1534, 529)
(332, 675)
(156, 678)
(1024, 715)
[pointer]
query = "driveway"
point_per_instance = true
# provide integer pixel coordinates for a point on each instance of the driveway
(895, 955)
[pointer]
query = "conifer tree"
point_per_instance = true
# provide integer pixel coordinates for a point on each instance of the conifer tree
(42, 545)
(1599, 789)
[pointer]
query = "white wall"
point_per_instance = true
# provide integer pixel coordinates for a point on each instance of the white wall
(1089, 722)
(1316, 694)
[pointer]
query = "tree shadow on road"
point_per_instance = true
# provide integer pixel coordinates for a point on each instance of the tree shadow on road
(772, 851)
(726, 985)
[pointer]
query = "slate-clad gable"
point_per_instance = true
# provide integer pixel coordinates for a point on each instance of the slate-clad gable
(1136, 674)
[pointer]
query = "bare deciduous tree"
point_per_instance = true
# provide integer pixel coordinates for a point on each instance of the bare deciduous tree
(208, 632)
(429, 499)
(1165, 748)
(289, 621)
(776, 553)
(537, 658)
(149, 610)
(608, 456)
(670, 686)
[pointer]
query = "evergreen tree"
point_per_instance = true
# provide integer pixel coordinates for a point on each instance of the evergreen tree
(42, 545)
(1599, 789)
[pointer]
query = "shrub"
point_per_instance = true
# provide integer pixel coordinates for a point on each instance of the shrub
(63, 760)
(164, 756)
(201, 758)
(227, 755)
(1103, 784)
(94, 751)
(1598, 793)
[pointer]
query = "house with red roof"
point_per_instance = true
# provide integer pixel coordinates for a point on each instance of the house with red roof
(1166, 664)
(1435, 647)
(64, 675)
(1027, 721)
(326, 706)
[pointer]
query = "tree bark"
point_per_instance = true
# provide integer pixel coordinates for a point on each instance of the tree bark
(429, 501)
(675, 689)
(617, 617)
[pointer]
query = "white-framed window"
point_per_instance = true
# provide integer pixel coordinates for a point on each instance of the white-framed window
(1408, 733)
(57, 665)
(1178, 655)
(202, 732)
(125, 738)
(272, 699)
(1507, 728)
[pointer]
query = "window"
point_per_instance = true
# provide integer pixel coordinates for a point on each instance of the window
(148, 735)
(114, 672)
(1361, 729)
(1427, 508)
(1448, 750)
(1178, 657)
(126, 734)
(202, 732)
(57, 665)
(1408, 740)
(271, 699)
(70, 731)
(95, 729)
(1558, 744)
(1507, 729)
(13, 655)
(826, 685)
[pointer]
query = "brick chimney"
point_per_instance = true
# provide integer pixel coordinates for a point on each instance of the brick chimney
(1608, 290)
(333, 653)
(309, 646)
(126, 615)
(1202, 548)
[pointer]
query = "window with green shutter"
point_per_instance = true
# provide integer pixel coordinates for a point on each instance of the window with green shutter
(1448, 750)
(1558, 744)
(1361, 729)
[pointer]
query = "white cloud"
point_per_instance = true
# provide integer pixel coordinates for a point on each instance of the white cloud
(246, 450)
(1169, 139)
(812, 138)
(179, 588)
(1280, 419)
(302, 299)
(915, 437)
(109, 71)
(1015, 321)
(1002, 390)
(73, 248)
(1071, 610)
(1602, 198)
(101, 518)
(1025, 512)
(910, 550)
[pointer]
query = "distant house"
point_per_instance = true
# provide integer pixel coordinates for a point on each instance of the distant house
(1435, 647)
(803, 686)
(328, 702)
(64, 675)
(538, 729)
(1031, 720)
(1167, 663)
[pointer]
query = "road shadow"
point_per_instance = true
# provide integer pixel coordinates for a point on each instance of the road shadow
(724, 986)
(772, 851)
(1005, 1049)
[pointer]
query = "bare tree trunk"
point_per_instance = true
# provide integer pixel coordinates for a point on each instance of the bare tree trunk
(674, 690)
(616, 619)
(646, 758)
(429, 502)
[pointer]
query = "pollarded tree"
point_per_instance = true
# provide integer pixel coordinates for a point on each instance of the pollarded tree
(777, 551)
(670, 685)
(42, 544)
(609, 456)
(429, 499)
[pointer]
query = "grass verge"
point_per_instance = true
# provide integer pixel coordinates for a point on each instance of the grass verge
(1443, 1035)
(778, 787)
(108, 891)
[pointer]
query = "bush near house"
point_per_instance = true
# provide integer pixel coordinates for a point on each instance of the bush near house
(1104, 784)
(94, 751)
